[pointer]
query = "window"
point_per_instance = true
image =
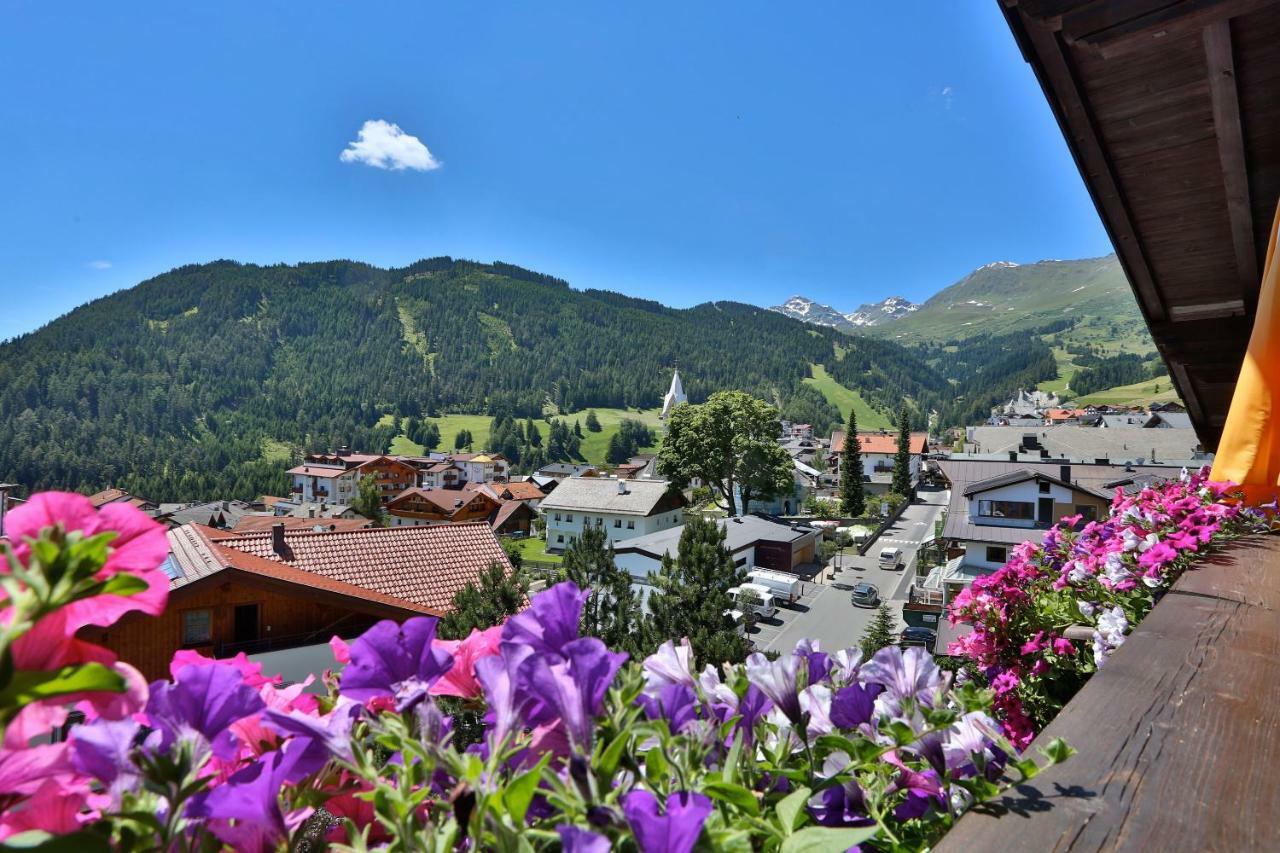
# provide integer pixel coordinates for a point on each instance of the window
(568, 518)
(558, 517)
(740, 562)
(197, 627)
(997, 555)
(1044, 487)
(1007, 509)
(560, 539)
(617, 523)
(1086, 512)
(631, 524)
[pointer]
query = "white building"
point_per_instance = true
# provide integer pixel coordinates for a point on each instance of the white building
(624, 508)
(313, 483)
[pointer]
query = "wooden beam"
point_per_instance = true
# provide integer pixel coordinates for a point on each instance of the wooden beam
(1235, 175)
(1062, 89)
(1122, 26)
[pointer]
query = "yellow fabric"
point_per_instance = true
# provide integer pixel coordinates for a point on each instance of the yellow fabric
(1249, 452)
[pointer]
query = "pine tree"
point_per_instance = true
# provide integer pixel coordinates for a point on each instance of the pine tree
(613, 611)
(593, 422)
(617, 452)
(498, 594)
(577, 428)
(853, 498)
(880, 632)
(691, 595)
(367, 502)
(460, 440)
(902, 460)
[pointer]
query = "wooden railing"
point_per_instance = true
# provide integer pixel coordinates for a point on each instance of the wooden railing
(1178, 735)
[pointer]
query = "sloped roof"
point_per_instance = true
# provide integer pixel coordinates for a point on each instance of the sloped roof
(319, 470)
(598, 494)
(1083, 443)
(742, 532)
(259, 523)
(880, 442)
(1010, 477)
(505, 512)
(446, 499)
(524, 491)
(424, 565)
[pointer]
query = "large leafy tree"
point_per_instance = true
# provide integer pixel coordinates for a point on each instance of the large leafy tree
(902, 459)
(729, 442)
(613, 611)
(367, 501)
(691, 596)
(853, 498)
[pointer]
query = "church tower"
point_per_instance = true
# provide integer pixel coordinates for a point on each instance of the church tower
(674, 397)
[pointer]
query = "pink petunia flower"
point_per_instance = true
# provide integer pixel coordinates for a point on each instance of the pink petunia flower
(461, 680)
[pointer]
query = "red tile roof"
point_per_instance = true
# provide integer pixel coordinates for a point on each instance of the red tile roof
(875, 442)
(107, 496)
(424, 565)
(318, 470)
(445, 499)
(259, 523)
(524, 491)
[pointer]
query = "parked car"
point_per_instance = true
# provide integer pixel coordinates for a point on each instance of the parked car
(890, 558)
(918, 637)
(865, 595)
(759, 600)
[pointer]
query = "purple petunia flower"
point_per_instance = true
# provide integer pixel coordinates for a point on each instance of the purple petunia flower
(507, 705)
(675, 703)
(670, 664)
(819, 661)
(570, 690)
(839, 805)
(396, 661)
(101, 749)
(909, 674)
(675, 831)
(202, 701)
(314, 739)
(777, 680)
(854, 705)
(550, 623)
(250, 796)
(576, 840)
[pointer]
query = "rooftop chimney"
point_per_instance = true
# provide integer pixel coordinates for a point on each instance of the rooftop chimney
(311, 512)
(1064, 473)
(622, 487)
(277, 538)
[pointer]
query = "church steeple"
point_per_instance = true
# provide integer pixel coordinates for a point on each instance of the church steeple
(675, 396)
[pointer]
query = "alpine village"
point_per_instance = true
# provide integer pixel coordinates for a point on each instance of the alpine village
(460, 556)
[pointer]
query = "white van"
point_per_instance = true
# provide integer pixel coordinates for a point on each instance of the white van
(764, 601)
(890, 558)
(783, 586)
(739, 622)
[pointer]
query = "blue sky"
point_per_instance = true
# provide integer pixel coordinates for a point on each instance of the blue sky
(677, 151)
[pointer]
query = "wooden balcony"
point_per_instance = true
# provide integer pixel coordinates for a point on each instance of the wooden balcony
(1178, 735)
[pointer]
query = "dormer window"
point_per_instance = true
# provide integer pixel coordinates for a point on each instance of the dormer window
(1044, 487)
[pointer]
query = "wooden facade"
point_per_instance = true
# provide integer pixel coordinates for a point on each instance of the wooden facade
(245, 612)
(441, 506)
(391, 476)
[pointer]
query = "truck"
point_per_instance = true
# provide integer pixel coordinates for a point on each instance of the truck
(784, 587)
(762, 603)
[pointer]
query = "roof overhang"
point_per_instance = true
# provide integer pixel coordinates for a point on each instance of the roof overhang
(1169, 109)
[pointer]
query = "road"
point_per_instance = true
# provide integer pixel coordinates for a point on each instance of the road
(824, 613)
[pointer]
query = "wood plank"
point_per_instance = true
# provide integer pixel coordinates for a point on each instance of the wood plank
(1179, 734)
(1124, 26)
(1226, 121)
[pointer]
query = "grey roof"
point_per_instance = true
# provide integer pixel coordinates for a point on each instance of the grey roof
(210, 513)
(1017, 476)
(564, 469)
(601, 494)
(1174, 420)
(1126, 421)
(740, 533)
(962, 473)
(1085, 444)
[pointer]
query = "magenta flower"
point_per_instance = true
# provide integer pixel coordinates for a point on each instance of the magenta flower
(674, 831)
(461, 679)
(139, 547)
(314, 740)
(397, 662)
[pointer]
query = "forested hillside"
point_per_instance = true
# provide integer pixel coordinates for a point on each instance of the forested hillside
(206, 380)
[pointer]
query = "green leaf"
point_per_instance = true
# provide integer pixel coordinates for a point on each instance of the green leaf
(27, 686)
(123, 584)
(737, 795)
(824, 839)
(730, 771)
(791, 809)
(519, 793)
(655, 765)
(613, 753)
(1057, 751)
(43, 842)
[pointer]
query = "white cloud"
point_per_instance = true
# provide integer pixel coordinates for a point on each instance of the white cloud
(384, 145)
(99, 265)
(946, 97)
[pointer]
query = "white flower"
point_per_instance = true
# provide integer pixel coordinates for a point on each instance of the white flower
(1079, 573)
(1087, 609)
(1115, 569)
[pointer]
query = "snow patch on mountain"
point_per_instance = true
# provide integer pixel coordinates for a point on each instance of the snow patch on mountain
(872, 314)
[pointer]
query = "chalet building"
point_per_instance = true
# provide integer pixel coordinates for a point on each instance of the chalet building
(313, 482)
(625, 508)
(335, 478)
(222, 515)
(562, 470)
(417, 507)
(284, 589)
(441, 475)
(111, 496)
(390, 475)
(756, 542)
(518, 491)
(879, 450)
(260, 523)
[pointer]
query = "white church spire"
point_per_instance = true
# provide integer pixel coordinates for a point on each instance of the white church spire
(675, 396)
